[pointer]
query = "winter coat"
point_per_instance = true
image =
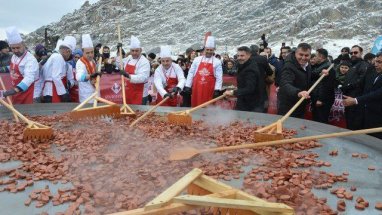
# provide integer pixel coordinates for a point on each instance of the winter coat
(294, 79)
(248, 89)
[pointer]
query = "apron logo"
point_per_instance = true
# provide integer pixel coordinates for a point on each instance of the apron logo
(116, 88)
(203, 73)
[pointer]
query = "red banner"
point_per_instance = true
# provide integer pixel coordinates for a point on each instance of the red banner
(111, 88)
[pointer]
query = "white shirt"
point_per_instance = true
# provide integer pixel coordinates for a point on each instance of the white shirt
(28, 68)
(85, 87)
(173, 72)
(54, 70)
(142, 71)
(218, 71)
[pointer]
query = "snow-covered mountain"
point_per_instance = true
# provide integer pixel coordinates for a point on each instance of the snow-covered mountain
(329, 23)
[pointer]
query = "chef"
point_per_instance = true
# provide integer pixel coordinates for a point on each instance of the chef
(205, 77)
(57, 73)
(24, 70)
(137, 71)
(168, 78)
(86, 73)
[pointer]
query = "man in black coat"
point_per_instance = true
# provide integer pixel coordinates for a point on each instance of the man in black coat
(248, 76)
(264, 71)
(323, 95)
(371, 99)
(295, 81)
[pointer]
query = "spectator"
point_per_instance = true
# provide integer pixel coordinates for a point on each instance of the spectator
(272, 59)
(108, 62)
(370, 99)
(284, 52)
(41, 54)
(341, 72)
(345, 51)
(77, 54)
(5, 57)
(312, 60)
(265, 73)
(323, 95)
(370, 58)
(230, 69)
(151, 57)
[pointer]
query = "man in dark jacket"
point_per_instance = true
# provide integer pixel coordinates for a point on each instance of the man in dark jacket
(248, 77)
(323, 95)
(295, 81)
(370, 100)
(264, 72)
(284, 52)
(352, 87)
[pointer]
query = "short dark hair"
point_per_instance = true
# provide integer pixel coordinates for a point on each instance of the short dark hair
(359, 47)
(379, 54)
(323, 52)
(106, 47)
(255, 49)
(304, 46)
(369, 56)
(244, 49)
(347, 49)
(286, 47)
(152, 55)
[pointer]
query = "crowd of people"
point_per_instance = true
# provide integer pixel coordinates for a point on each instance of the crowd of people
(68, 74)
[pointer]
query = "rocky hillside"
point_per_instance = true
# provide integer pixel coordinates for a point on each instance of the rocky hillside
(234, 22)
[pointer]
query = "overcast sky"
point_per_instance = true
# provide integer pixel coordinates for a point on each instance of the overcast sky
(28, 15)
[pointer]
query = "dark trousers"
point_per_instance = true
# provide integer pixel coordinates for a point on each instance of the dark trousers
(321, 114)
(354, 117)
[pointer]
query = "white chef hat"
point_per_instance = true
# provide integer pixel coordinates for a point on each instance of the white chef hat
(71, 42)
(58, 44)
(13, 35)
(87, 41)
(135, 43)
(210, 42)
(165, 51)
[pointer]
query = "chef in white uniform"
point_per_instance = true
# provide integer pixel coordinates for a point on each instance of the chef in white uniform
(57, 74)
(168, 78)
(86, 70)
(136, 69)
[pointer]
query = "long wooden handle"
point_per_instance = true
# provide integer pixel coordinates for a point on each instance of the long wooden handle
(121, 67)
(98, 80)
(205, 104)
(303, 98)
(14, 111)
(280, 142)
(8, 99)
(149, 111)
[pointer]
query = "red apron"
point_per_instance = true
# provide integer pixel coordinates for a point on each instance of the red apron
(171, 83)
(134, 92)
(25, 97)
(203, 84)
(55, 97)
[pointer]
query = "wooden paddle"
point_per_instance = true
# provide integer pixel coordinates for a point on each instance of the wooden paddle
(189, 152)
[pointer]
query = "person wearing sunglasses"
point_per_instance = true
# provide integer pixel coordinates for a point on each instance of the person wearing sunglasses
(370, 99)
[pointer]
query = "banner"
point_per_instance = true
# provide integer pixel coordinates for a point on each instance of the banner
(111, 88)
(377, 45)
(337, 113)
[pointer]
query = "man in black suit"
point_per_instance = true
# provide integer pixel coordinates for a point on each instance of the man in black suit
(248, 77)
(371, 98)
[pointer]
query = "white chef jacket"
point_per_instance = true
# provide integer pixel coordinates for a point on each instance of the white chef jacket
(173, 72)
(29, 69)
(85, 87)
(54, 70)
(142, 71)
(218, 71)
